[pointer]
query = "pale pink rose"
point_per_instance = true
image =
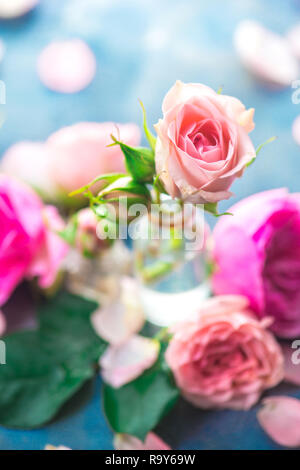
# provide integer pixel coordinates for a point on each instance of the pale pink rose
(69, 159)
(203, 143)
(123, 363)
(25, 240)
(81, 152)
(127, 442)
(280, 419)
(225, 358)
(257, 254)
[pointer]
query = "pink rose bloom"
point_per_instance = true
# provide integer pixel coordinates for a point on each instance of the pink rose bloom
(28, 247)
(257, 253)
(70, 158)
(80, 152)
(203, 143)
(224, 358)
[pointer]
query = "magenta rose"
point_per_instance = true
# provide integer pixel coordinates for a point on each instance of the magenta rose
(203, 143)
(257, 254)
(224, 357)
(29, 246)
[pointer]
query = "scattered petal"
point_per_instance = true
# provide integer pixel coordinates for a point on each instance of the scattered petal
(291, 356)
(51, 447)
(16, 8)
(280, 419)
(265, 54)
(123, 317)
(124, 363)
(67, 66)
(296, 130)
(127, 442)
(293, 38)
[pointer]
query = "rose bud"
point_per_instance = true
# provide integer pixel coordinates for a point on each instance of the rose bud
(123, 196)
(224, 357)
(257, 254)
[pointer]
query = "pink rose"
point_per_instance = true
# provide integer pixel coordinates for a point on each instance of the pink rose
(70, 158)
(257, 254)
(203, 143)
(80, 152)
(28, 247)
(224, 358)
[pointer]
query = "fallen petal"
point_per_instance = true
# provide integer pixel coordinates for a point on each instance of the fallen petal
(293, 38)
(291, 356)
(296, 130)
(127, 442)
(16, 8)
(122, 318)
(67, 66)
(280, 419)
(265, 54)
(124, 363)
(51, 447)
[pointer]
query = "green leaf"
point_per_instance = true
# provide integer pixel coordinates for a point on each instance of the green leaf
(125, 186)
(212, 208)
(45, 367)
(105, 179)
(136, 408)
(69, 232)
(150, 137)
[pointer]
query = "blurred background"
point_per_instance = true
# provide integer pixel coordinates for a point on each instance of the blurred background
(141, 48)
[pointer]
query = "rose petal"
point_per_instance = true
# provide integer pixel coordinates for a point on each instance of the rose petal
(293, 38)
(51, 447)
(291, 356)
(122, 364)
(296, 130)
(128, 442)
(122, 318)
(280, 419)
(15, 8)
(67, 66)
(265, 54)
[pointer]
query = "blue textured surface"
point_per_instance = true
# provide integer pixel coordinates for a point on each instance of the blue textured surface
(142, 47)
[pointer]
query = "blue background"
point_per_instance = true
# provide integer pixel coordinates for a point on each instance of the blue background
(142, 47)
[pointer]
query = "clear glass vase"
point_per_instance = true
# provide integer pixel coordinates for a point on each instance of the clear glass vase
(98, 278)
(171, 262)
